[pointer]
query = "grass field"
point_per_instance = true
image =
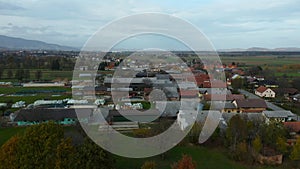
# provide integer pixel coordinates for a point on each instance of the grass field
(261, 60)
(206, 158)
(30, 99)
(46, 74)
(7, 133)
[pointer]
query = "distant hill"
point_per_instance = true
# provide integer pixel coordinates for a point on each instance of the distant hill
(258, 49)
(13, 43)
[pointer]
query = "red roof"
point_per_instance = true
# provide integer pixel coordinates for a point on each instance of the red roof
(261, 89)
(293, 126)
(214, 84)
(189, 93)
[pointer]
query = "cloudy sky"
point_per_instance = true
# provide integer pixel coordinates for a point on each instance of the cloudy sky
(227, 23)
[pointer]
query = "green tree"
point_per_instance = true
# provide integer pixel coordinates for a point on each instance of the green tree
(1, 72)
(237, 83)
(19, 74)
(90, 155)
(236, 132)
(9, 74)
(27, 74)
(269, 133)
(55, 65)
(38, 75)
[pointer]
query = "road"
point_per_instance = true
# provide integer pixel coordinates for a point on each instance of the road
(253, 96)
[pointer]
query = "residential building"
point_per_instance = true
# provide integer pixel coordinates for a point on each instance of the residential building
(263, 91)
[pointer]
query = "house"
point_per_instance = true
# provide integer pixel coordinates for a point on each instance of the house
(263, 91)
(294, 130)
(295, 98)
(132, 115)
(220, 97)
(189, 93)
(286, 92)
(65, 116)
(279, 116)
(266, 83)
(250, 105)
(293, 126)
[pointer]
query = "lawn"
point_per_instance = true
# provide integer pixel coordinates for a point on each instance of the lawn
(206, 158)
(7, 133)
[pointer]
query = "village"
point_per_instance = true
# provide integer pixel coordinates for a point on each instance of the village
(158, 91)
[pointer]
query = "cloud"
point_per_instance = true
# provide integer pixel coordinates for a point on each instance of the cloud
(225, 22)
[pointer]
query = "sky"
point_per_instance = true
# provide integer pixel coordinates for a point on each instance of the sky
(226, 23)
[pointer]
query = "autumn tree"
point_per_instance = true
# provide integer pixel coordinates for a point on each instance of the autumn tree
(186, 162)
(8, 151)
(149, 165)
(281, 145)
(295, 154)
(257, 144)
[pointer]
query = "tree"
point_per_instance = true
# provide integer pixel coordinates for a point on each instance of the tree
(186, 162)
(65, 154)
(295, 155)
(194, 133)
(27, 74)
(19, 74)
(90, 155)
(237, 83)
(9, 74)
(38, 75)
(281, 145)
(149, 165)
(1, 73)
(38, 145)
(269, 133)
(8, 151)
(236, 132)
(257, 145)
(55, 65)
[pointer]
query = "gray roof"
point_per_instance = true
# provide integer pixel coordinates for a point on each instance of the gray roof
(169, 108)
(278, 114)
(44, 114)
(171, 92)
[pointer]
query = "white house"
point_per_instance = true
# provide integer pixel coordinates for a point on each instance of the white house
(263, 91)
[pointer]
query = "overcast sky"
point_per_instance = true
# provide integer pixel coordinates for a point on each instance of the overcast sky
(227, 23)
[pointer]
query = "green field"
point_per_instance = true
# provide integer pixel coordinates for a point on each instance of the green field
(46, 74)
(206, 158)
(30, 99)
(261, 60)
(7, 133)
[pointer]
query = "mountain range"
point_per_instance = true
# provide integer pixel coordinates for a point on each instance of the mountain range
(12, 43)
